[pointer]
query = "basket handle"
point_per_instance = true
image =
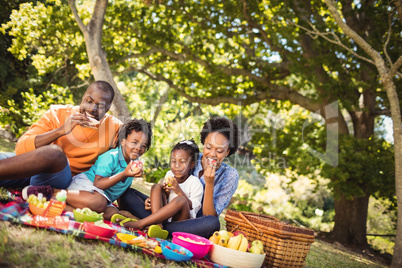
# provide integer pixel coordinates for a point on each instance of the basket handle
(249, 222)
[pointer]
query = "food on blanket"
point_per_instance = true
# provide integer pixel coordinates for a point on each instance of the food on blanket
(94, 229)
(89, 212)
(190, 240)
(61, 196)
(238, 242)
(125, 237)
(40, 203)
(223, 242)
(86, 214)
(101, 223)
(215, 237)
(158, 249)
(224, 234)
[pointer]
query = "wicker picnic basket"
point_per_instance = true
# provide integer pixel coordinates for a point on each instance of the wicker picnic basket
(285, 245)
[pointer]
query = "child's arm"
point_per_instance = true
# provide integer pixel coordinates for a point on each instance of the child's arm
(107, 182)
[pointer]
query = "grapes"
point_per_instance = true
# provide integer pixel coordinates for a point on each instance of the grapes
(40, 203)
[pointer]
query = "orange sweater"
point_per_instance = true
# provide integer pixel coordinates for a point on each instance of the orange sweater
(82, 145)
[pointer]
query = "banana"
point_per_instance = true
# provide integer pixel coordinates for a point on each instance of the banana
(234, 242)
(223, 242)
(215, 237)
(243, 245)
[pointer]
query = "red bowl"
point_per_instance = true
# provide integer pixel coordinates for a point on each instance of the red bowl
(91, 228)
(198, 245)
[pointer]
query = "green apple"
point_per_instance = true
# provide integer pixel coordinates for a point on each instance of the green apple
(258, 243)
(256, 250)
(224, 234)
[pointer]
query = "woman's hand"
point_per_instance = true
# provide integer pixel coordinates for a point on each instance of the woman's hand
(147, 203)
(209, 174)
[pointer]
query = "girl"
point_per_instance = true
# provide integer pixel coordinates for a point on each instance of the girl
(179, 196)
(113, 172)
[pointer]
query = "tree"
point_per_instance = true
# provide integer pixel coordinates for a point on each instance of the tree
(96, 54)
(387, 68)
(243, 52)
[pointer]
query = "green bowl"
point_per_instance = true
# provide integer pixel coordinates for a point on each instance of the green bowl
(83, 217)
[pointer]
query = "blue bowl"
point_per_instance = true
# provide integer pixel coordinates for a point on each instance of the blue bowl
(170, 254)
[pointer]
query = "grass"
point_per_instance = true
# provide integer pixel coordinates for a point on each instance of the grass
(23, 246)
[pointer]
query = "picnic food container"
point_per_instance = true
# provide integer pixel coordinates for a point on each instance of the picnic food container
(171, 252)
(81, 217)
(198, 245)
(285, 245)
(235, 258)
(94, 229)
(36, 210)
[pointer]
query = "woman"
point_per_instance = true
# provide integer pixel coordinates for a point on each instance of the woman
(220, 137)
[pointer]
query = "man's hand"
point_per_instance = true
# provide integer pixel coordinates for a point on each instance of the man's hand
(74, 120)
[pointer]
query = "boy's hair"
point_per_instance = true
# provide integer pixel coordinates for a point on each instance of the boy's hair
(224, 126)
(135, 125)
(190, 146)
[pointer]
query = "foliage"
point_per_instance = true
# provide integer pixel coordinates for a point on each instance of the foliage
(32, 108)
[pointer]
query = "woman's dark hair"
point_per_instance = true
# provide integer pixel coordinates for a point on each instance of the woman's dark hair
(225, 127)
(135, 125)
(190, 146)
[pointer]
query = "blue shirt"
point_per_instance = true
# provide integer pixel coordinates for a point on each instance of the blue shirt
(225, 185)
(108, 164)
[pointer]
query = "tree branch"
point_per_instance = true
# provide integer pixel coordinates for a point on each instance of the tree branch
(77, 18)
(394, 67)
(314, 33)
(352, 34)
(98, 16)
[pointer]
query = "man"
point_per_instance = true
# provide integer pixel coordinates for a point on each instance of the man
(65, 141)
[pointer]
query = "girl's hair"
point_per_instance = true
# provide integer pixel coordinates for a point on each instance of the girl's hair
(224, 126)
(190, 146)
(135, 125)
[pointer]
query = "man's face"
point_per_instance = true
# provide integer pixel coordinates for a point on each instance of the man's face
(95, 102)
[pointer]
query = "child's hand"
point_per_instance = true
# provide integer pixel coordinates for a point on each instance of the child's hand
(147, 203)
(134, 169)
(171, 184)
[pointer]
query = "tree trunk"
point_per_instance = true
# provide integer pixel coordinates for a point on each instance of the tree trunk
(97, 56)
(350, 221)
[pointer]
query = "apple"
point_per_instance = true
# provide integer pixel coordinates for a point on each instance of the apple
(224, 234)
(256, 250)
(258, 243)
(235, 233)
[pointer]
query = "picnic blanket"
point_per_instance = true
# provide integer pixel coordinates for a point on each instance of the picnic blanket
(17, 211)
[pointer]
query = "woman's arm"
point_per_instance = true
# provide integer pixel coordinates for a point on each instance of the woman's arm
(208, 207)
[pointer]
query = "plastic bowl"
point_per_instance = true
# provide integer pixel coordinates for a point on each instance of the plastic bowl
(91, 228)
(169, 253)
(83, 217)
(235, 258)
(198, 245)
(36, 210)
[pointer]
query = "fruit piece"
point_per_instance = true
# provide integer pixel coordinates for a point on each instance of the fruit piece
(230, 234)
(243, 245)
(258, 243)
(256, 249)
(168, 247)
(239, 232)
(224, 234)
(223, 242)
(234, 242)
(158, 249)
(214, 239)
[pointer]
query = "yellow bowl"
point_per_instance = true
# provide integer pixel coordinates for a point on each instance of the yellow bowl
(235, 258)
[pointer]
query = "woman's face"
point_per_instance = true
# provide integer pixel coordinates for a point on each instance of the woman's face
(216, 148)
